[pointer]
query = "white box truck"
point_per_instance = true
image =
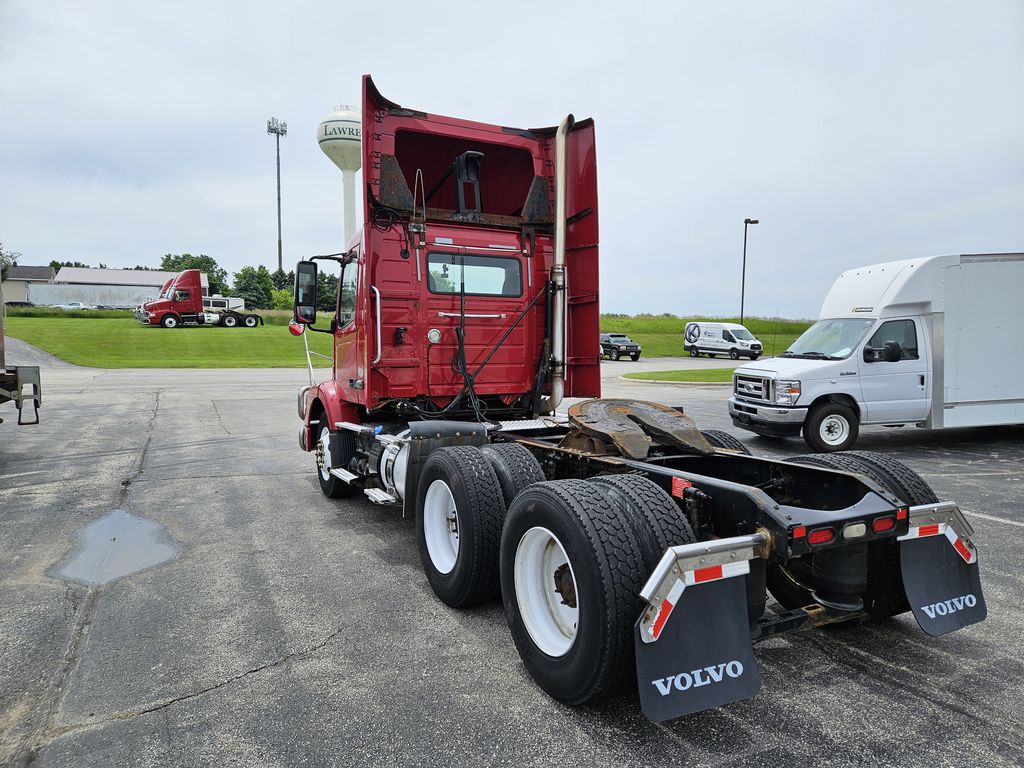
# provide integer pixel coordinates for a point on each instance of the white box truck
(935, 342)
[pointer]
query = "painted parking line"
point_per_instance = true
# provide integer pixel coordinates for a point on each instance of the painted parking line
(993, 518)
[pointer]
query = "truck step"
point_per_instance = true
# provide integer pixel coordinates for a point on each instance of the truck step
(344, 475)
(378, 496)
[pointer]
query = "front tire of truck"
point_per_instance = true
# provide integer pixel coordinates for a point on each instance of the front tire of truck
(831, 427)
(571, 573)
(170, 321)
(332, 487)
(459, 514)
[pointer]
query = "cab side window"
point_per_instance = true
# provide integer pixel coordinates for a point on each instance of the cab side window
(347, 293)
(902, 331)
(727, 336)
(181, 295)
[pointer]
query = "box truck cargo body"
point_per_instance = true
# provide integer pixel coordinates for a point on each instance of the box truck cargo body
(935, 342)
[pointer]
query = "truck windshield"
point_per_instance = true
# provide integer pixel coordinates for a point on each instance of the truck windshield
(830, 339)
(742, 333)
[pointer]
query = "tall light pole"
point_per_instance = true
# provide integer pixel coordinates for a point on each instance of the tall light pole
(743, 279)
(279, 129)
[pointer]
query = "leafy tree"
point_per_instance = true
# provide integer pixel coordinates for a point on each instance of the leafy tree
(255, 286)
(56, 265)
(282, 280)
(218, 277)
(282, 299)
(139, 267)
(7, 259)
(326, 292)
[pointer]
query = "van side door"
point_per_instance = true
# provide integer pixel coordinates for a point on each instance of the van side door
(895, 392)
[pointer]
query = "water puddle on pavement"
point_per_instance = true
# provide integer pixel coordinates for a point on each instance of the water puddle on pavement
(115, 546)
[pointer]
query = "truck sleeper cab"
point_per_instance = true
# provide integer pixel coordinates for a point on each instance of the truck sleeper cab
(457, 331)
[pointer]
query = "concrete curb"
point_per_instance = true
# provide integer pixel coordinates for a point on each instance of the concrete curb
(678, 383)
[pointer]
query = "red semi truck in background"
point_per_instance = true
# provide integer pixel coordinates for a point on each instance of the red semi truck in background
(20, 383)
(181, 302)
(627, 546)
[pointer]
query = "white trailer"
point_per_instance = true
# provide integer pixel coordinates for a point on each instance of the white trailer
(934, 342)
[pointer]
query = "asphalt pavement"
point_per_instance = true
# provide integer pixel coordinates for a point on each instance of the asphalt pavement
(287, 629)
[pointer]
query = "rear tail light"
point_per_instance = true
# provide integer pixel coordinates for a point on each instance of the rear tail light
(883, 524)
(820, 536)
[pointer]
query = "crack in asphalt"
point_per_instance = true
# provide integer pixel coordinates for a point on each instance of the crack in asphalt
(220, 419)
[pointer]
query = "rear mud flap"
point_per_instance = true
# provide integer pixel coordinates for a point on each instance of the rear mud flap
(693, 648)
(940, 570)
(702, 658)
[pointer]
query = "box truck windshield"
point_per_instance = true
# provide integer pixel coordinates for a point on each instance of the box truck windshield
(832, 339)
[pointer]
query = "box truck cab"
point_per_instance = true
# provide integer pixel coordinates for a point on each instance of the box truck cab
(713, 339)
(931, 342)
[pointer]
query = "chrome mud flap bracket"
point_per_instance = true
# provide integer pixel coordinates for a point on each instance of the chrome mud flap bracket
(940, 569)
(693, 649)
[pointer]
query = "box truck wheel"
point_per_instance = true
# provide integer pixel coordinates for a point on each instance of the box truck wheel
(333, 487)
(229, 321)
(831, 427)
(570, 578)
(459, 513)
(515, 467)
(169, 321)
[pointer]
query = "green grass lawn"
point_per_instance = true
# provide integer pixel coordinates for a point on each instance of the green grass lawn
(125, 343)
(697, 375)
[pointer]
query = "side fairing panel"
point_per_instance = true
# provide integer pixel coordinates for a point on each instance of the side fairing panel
(583, 349)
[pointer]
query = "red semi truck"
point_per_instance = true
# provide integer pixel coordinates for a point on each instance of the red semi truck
(20, 383)
(181, 302)
(628, 547)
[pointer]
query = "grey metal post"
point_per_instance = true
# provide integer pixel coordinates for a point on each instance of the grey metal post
(743, 279)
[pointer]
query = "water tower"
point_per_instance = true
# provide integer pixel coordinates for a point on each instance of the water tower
(340, 137)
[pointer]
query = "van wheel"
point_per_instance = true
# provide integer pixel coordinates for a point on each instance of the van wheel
(831, 427)
(169, 321)
(614, 354)
(694, 352)
(459, 514)
(734, 354)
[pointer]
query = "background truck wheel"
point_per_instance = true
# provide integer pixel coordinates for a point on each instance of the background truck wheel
(333, 487)
(459, 512)
(694, 352)
(721, 439)
(515, 467)
(250, 321)
(614, 354)
(634, 357)
(734, 354)
(570, 578)
(169, 321)
(229, 321)
(831, 427)
(656, 520)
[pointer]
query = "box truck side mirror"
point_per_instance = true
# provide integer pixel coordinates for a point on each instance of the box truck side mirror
(893, 352)
(305, 292)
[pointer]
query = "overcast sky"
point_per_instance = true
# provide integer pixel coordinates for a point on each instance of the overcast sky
(857, 132)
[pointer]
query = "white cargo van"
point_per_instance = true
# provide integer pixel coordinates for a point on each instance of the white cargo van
(713, 339)
(934, 342)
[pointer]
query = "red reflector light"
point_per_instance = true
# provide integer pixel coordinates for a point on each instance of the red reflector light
(800, 531)
(883, 524)
(901, 514)
(820, 536)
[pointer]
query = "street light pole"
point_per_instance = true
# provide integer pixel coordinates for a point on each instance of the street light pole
(743, 279)
(279, 129)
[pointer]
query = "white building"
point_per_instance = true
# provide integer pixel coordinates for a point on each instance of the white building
(104, 287)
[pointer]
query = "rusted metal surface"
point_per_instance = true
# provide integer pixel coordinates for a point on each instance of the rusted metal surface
(633, 426)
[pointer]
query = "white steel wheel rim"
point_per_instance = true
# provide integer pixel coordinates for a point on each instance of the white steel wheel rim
(170, 322)
(834, 429)
(441, 526)
(229, 322)
(326, 460)
(551, 623)
(250, 321)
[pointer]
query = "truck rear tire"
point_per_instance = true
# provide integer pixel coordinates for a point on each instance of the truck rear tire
(656, 520)
(570, 577)
(515, 467)
(831, 427)
(229, 321)
(250, 321)
(459, 514)
(170, 321)
(332, 487)
(720, 439)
